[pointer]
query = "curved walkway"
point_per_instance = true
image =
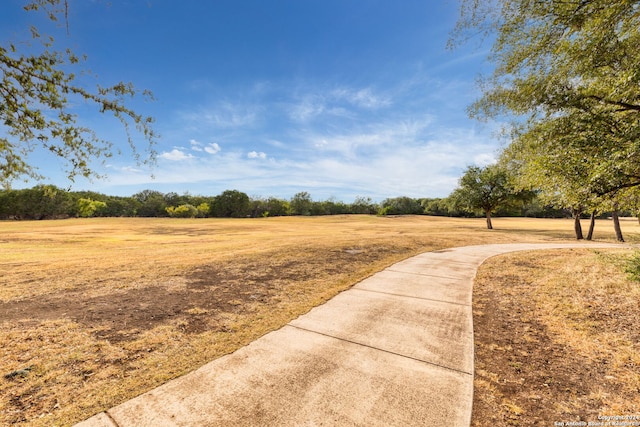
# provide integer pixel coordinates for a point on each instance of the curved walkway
(394, 350)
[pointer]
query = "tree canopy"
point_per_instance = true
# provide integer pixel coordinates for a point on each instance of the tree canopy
(557, 55)
(484, 189)
(568, 74)
(38, 91)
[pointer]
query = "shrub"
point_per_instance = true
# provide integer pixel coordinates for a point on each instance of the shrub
(632, 267)
(182, 211)
(88, 207)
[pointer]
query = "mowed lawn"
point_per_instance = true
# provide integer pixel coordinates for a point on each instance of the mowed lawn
(96, 311)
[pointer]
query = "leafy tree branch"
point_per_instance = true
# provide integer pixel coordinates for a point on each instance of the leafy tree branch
(38, 90)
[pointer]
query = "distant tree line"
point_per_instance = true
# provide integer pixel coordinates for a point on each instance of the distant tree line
(50, 202)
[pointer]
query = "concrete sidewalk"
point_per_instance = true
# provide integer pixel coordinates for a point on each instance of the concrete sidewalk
(394, 350)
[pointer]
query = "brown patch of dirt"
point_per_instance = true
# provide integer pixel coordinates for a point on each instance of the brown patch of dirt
(211, 291)
(526, 374)
(529, 370)
(119, 316)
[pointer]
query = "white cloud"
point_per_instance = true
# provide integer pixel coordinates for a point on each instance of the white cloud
(256, 155)
(399, 160)
(175, 155)
(276, 143)
(371, 138)
(230, 118)
(224, 115)
(363, 98)
(131, 169)
(322, 143)
(344, 102)
(484, 159)
(307, 108)
(338, 141)
(212, 148)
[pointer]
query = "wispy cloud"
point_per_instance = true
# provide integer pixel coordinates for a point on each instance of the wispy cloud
(364, 98)
(393, 164)
(220, 116)
(342, 141)
(312, 102)
(175, 155)
(371, 138)
(307, 108)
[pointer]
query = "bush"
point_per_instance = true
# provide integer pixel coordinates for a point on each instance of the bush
(203, 209)
(632, 267)
(88, 207)
(182, 211)
(400, 206)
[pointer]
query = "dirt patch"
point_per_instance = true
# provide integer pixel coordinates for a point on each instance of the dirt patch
(530, 371)
(121, 315)
(211, 291)
(548, 341)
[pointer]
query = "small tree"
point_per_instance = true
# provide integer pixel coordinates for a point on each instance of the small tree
(88, 207)
(301, 204)
(152, 203)
(484, 189)
(231, 204)
(277, 207)
(363, 205)
(401, 206)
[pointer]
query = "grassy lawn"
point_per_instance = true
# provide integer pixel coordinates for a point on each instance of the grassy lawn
(102, 310)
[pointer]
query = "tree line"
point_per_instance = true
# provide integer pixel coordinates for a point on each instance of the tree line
(566, 82)
(50, 202)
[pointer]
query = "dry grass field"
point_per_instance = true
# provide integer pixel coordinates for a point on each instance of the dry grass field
(96, 311)
(557, 339)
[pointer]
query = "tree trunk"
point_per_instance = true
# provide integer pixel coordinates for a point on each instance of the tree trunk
(616, 223)
(592, 225)
(489, 225)
(577, 227)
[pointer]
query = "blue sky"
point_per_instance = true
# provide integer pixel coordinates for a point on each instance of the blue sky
(339, 98)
